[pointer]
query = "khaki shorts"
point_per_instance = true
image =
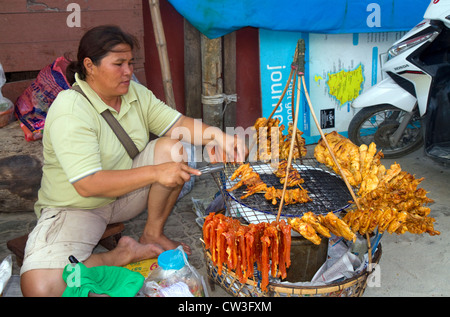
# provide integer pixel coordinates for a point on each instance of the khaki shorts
(61, 232)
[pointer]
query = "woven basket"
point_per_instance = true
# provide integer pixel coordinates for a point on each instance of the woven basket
(352, 287)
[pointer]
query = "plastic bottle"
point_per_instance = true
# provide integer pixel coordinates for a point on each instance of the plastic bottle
(173, 277)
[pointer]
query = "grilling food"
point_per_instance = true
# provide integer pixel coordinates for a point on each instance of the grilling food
(310, 226)
(337, 226)
(272, 144)
(239, 247)
(355, 162)
(254, 184)
(249, 178)
(366, 221)
(305, 229)
(269, 136)
(390, 199)
(315, 222)
(291, 196)
(299, 146)
(294, 177)
(397, 205)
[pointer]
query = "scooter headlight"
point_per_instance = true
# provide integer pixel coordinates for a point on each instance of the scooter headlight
(405, 45)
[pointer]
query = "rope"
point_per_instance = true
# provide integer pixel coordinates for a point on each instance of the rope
(219, 99)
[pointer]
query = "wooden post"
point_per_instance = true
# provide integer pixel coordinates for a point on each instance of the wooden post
(192, 71)
(212, 86)
(162, 52)
(229, 78)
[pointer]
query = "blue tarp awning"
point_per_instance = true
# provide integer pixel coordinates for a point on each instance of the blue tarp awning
(215, 18)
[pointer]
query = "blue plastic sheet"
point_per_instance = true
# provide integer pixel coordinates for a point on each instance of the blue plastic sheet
(215, 18)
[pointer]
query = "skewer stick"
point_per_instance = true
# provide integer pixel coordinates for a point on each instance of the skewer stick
(294, 133)
(282, 94)
(369, 248)
(298, 62)
(291, 150)
(285, 87)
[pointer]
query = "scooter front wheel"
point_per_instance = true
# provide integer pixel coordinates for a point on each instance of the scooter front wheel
(378, 124)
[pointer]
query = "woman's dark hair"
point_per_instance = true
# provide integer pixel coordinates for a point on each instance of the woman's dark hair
(96, 44)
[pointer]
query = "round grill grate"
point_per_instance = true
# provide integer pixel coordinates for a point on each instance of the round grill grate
(327, 191)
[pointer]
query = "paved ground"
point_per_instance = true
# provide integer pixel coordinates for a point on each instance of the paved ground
(411, 265)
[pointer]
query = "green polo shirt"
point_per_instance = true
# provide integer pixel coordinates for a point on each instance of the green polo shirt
(78, 142)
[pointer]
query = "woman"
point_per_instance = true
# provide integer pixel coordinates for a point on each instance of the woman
(89, 180)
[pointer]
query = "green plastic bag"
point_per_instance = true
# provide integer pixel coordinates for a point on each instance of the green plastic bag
(113, 281)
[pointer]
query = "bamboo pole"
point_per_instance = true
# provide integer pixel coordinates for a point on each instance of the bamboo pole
(349, 187)
(292, 73)
(291, 150)
(294, 131)
(282, 94)
(162, 52)
(297, 67)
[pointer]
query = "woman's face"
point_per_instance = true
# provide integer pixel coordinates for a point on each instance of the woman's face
(113, 74)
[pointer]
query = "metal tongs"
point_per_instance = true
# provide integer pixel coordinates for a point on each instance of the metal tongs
(211, 168)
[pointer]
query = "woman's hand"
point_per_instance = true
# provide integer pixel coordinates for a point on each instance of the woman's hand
(221, 147)
(174, 174)
(120, 182)
(227, 148)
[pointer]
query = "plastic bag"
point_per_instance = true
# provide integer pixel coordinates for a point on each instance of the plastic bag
(32, 105)
(6, 105)
(5, 272)
(187, 187)
(174, 277)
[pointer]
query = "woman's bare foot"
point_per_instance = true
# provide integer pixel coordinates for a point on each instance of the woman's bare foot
(137, 251)
(127, 251)
(165, 243)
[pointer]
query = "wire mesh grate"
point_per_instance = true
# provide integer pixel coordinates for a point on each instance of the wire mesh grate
(326, 189)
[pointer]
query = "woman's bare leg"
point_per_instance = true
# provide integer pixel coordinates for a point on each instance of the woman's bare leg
(42, 283)
(161, 199)
(49, 282)
(127, 251)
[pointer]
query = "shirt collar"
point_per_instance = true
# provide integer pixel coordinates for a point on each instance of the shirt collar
(98, 103)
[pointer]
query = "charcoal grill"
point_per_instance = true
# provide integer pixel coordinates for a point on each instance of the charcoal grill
(326, 189)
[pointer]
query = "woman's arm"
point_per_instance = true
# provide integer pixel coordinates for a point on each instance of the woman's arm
(108, 183)
(224, 147)
(114, 183)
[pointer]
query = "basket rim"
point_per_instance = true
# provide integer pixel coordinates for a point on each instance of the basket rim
(308, 290)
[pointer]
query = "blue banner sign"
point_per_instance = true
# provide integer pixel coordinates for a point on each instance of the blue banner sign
(216, 18)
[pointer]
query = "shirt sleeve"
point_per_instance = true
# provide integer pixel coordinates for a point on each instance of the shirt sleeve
(160, 116)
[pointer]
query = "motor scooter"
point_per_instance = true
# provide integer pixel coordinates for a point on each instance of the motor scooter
(410, 107)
